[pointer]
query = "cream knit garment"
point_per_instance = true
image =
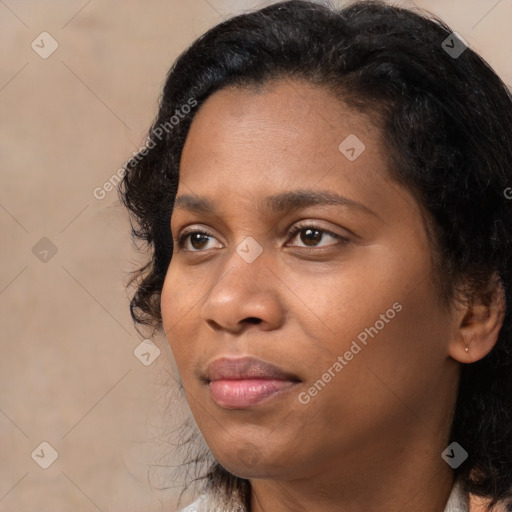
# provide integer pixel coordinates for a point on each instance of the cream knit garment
(457, 502)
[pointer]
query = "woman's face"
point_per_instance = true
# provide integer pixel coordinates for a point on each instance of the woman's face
(345, 307)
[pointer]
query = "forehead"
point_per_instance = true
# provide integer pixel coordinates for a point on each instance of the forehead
(291, 110)
(256, 154)
(283, 133)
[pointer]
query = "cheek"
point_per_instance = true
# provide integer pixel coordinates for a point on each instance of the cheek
(357, 293)
(179, 302)
(380, 379)
(393, 344)
(381, 310)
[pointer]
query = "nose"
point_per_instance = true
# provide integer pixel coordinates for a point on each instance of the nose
(244, 294)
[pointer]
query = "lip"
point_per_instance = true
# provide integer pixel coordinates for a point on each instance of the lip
(237, 383)
(228, 368)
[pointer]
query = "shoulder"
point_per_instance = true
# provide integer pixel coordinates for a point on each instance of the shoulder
(458, 500)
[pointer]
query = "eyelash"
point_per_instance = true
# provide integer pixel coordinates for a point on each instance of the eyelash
(291, 234)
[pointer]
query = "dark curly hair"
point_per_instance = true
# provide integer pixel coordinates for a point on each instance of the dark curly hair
(447, 122)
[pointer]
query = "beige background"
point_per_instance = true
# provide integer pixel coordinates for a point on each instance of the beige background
(68, 374)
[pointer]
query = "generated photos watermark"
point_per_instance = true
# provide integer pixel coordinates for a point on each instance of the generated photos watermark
(355, 347)
(158, 132)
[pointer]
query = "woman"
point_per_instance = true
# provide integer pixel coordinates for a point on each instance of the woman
(324, 196)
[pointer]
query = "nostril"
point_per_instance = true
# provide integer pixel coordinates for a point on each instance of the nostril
(253, 320)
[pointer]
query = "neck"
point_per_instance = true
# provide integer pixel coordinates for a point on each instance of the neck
(410, 477)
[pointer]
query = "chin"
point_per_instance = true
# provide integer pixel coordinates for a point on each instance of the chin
(243, 461)
(249, 462)
(246, 474)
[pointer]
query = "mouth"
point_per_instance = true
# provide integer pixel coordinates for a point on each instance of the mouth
(238, 383)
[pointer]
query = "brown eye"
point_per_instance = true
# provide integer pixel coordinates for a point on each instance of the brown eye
(198, 240)
(311, 236)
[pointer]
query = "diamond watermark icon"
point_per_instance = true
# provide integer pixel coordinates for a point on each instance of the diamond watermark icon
(44, 250)
(249, 249)
(351, 147)
(454, 455)
(454, 45)
(146, 352)
(44, 45)
(250, 455)
(45, 455)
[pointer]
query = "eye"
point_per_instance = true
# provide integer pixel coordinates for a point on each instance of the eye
(197, 240)
(311, 234)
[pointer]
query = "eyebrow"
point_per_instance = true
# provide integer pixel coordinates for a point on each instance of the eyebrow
(286, 201)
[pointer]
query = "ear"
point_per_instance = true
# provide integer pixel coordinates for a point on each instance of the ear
(478, 324)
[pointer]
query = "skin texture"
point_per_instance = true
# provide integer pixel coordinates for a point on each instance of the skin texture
(372, 438)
